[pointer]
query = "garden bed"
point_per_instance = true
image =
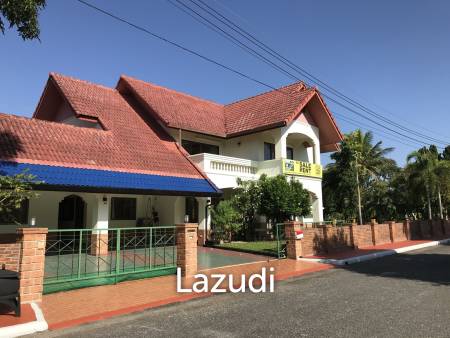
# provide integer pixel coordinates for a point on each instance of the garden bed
(267, 248)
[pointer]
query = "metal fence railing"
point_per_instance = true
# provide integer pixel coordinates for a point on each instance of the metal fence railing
(85, 257)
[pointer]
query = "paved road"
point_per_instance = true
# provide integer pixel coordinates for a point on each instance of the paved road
(405, 295)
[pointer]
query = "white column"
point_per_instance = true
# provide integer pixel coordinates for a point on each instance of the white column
(201, 212)
(103, 203)
(316, 153)
(280, 146)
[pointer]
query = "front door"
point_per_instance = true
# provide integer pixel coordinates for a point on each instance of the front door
(71, 213)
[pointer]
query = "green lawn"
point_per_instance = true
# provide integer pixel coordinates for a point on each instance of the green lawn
(264, 247)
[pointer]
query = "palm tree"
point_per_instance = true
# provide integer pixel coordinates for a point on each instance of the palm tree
(423, 164)
(442, 172)
(367, 161)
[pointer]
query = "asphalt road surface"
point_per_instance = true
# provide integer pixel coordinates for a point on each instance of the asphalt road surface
(406, 295)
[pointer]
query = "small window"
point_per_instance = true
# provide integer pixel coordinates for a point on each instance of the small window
(123, 208)
(199, 148)
(269, 151)
(19, 215)
(289, 153)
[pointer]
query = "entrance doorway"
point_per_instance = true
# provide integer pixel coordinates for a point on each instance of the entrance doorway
(71, 213)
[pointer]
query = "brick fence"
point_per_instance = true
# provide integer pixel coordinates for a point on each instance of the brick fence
(24, 251)
(9, 251)
(329, 239)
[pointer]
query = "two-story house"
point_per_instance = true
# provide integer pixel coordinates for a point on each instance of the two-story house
(144, 154)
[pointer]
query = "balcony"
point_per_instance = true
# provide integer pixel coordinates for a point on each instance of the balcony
(223, 170)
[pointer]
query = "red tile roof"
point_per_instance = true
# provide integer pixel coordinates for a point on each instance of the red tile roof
(131, 139)
(179, 110)
(263, 111)
(130, 143)
(266, 110)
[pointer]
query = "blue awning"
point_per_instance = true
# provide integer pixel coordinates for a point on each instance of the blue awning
(65, 178)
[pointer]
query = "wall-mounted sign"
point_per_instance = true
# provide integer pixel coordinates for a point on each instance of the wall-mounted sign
(291, 167)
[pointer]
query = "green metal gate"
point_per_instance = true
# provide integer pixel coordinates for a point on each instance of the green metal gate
(86, 257)
(281, 240)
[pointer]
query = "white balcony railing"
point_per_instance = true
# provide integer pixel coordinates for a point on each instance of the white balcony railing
(223, 170)
(211, 163)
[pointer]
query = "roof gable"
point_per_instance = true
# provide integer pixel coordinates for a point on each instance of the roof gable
(130, 143)
(175, 109)
(261, 112)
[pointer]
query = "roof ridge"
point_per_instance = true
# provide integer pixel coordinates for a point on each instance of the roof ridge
(125, 77)
(269, 91)
(54, 74)
(63, 125)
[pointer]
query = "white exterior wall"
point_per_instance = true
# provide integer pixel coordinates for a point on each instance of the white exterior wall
(248, 152)
(45, 208)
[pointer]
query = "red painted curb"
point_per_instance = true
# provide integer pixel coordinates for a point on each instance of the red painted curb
(171, 300)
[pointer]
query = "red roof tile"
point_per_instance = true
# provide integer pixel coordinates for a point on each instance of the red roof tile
(129, 144)
(263, 111)
(267, 109)
(178, 110)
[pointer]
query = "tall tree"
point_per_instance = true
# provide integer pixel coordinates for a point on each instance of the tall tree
(422, 164)
(22, 14)
(361, 161)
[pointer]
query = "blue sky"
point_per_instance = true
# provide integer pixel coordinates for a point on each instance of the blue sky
(394, 56)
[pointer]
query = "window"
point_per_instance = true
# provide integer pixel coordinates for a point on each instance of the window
(289, 153)
(123, 208)
(198, 148)
(269, 151)
(16, 216)
(192, 209)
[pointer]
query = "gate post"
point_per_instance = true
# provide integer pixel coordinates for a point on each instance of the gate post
(31, 263)
(186, 237)
(293, 245)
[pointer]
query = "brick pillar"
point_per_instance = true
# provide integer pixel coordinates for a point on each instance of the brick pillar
(186, 236)
(446, 224)
(353, 236)
(407, 228)
(31, 264)
(443, 227)
(373, 228)
(293, 245)
(392, 231)
(99, 243)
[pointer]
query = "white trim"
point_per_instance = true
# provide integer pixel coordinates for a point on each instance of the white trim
(27, 328)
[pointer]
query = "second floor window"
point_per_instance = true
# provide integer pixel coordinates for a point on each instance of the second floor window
(193, 147)
(269, 151)
(289, 153)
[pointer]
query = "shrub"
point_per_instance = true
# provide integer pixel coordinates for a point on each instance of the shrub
(226, 219)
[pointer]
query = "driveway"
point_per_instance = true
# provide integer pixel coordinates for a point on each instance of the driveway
(405, 295)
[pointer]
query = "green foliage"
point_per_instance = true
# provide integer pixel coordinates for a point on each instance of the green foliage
(246, 201)
(226, 219)
(420, 190)
(359, 162)
(13, 191)
(281, 198)
(22, 14)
